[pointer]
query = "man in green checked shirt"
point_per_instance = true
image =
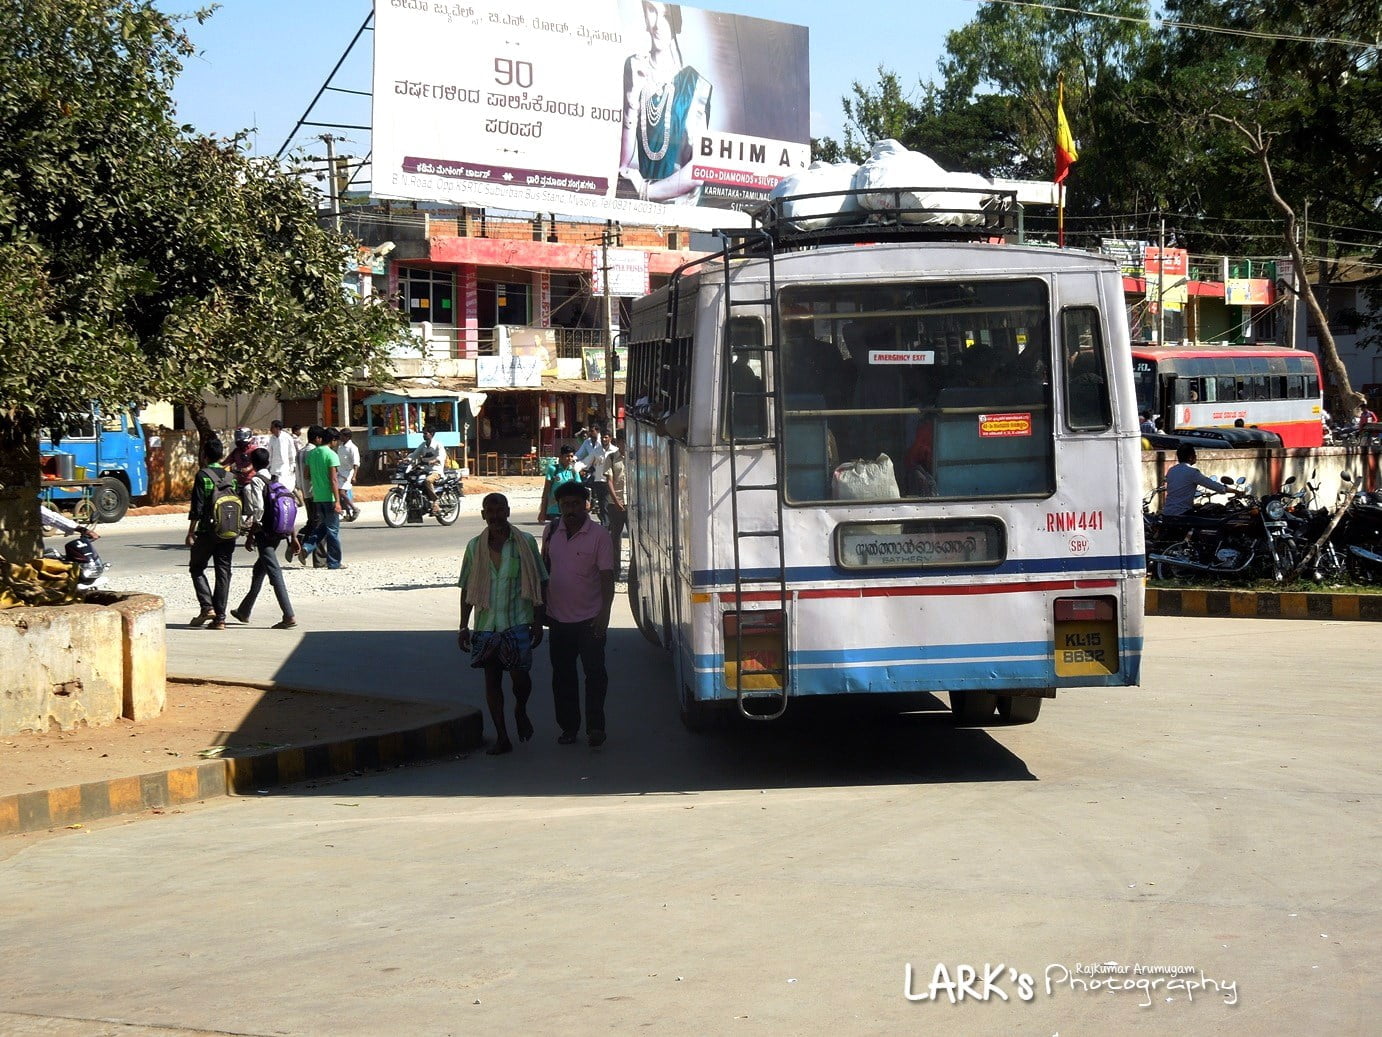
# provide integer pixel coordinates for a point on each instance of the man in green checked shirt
(503, 581)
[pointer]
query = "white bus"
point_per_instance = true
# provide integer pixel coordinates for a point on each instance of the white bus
(883, 469)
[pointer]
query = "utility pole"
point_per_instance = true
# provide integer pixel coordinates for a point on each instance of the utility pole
(1161, 286)
(609, 328)
(331, 194)
(342, 389)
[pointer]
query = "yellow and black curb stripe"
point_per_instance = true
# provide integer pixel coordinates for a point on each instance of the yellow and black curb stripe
(1263, 604)
(240, 775)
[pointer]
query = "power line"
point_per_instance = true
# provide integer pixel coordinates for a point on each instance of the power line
(1224, 30)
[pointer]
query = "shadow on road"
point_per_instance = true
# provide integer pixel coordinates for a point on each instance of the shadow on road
(648, 751)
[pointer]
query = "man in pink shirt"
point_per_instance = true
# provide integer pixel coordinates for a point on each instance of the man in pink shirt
(579, 557)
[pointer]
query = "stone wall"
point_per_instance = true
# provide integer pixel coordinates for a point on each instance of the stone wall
(72, 666)
(1265, 470)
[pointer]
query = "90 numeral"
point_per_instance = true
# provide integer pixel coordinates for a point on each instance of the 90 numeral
(513, 73)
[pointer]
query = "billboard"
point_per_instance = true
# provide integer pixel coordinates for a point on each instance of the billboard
(646, 113)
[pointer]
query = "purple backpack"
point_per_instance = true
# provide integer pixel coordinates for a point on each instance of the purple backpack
(280, 509)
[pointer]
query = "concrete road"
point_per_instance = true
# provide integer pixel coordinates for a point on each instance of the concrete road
(1223, 820)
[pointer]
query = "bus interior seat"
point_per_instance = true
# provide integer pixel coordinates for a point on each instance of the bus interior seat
(969, 465)
(806, 450)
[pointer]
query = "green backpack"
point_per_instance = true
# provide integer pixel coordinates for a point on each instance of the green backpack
(227, 510)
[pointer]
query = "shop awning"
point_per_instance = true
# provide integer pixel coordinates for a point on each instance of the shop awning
(589, 386)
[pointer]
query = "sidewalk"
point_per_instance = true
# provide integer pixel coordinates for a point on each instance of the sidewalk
(216, 738)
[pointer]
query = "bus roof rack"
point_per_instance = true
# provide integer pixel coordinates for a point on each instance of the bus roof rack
(805, 221)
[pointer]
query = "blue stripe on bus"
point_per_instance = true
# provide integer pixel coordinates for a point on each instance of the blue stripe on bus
(1075, 567)
(869, 671)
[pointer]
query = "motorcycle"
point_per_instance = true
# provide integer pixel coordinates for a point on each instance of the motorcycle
(1357, 536)
(406, 502)
(1229, 539)
(91, 568)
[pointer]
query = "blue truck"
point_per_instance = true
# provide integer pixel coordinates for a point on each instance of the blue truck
(98, 464)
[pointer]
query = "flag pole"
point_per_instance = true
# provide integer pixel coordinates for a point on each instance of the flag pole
(1060, 214)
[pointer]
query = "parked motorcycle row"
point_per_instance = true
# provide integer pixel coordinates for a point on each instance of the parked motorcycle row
(1279, 537)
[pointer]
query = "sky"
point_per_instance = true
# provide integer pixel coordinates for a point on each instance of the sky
(261, 62)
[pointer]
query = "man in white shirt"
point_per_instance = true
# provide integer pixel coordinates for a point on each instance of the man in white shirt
(589, 449)
(349, 454)
(602, 460)
(429, 451)
(283, 455)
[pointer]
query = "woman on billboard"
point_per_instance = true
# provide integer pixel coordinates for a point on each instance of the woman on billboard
(666, 107)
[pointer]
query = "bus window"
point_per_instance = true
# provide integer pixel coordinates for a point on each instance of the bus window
(934, 389)
(1087, 403)
(743, 360)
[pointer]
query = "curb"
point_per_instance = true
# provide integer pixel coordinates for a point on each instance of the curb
(236, 775)
(1263, 604)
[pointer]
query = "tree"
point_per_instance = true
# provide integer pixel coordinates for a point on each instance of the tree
(138, 260)
(1302, 102)
(962, 134)
(1020, 53)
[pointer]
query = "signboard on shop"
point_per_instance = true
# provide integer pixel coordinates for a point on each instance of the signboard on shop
(628, 272)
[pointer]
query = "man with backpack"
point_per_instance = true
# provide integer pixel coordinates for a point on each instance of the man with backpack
(213, 526)
(273, 513)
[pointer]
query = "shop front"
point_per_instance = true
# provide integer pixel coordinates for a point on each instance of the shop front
(518, 427)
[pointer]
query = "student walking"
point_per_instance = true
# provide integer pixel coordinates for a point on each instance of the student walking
(213, 526)
(349, 454)
(265, 536)
(325, 508)
(580, 563)
(283, 455)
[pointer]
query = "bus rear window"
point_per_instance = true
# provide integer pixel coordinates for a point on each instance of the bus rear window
(929, 390)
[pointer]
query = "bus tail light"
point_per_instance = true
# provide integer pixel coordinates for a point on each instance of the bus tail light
(1086, 637)
(754, 639)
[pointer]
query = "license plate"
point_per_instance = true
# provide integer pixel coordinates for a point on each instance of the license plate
(1086, 649)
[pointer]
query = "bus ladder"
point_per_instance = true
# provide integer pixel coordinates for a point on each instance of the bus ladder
(760, 403)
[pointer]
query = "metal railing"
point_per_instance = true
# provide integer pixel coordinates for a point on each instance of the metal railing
(375, 225)
(449, 343)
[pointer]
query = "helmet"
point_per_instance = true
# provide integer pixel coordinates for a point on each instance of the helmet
(243, 435)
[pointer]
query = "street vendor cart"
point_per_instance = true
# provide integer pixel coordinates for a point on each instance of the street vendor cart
(395, 421)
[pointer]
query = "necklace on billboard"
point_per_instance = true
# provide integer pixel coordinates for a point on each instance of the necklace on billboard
(655, 104)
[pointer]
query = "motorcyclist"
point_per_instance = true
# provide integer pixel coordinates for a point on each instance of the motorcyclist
(239, 459)
(1183, 478)
(431, 453)
(56, 520)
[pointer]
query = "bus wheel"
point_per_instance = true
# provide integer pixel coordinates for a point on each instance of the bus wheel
(973, 707)
(701, 717)
(1019, 709)
(111, 499)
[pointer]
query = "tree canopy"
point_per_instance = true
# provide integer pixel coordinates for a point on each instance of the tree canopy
(1228, 117)
(139, 260)
(144, 261)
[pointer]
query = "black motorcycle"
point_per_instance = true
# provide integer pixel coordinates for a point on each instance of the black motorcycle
(1357, 537)
(406, 502)
(1229, 539)
(91, 567)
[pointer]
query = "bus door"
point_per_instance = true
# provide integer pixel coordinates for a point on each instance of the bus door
(1168, 403)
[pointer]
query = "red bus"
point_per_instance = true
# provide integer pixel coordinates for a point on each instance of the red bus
(1203, 386)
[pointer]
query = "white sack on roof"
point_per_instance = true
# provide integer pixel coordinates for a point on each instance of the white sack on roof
(837, 178)
(892, 167)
